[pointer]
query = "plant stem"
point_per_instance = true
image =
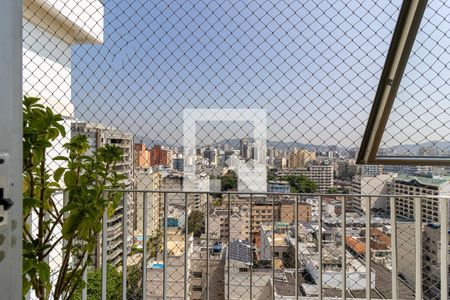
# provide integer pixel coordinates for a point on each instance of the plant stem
(75, 285)
(59, 283)
(41, 233)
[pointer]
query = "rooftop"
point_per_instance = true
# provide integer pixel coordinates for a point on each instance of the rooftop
(424, 180)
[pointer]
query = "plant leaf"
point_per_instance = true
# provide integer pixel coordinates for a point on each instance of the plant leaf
(58, 173)
(43, 271)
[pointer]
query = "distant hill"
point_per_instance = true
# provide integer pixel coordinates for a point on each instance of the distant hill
(414, 148)
(236, 142)
(398, 149)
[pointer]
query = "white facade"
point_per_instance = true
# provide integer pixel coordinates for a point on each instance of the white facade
(371, 185)
(238, 280)
(148, 181)
(50, 28)
(332, 275)
(416, 186)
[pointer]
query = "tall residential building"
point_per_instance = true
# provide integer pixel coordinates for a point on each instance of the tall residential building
(416, 186)
(99, 135)
(407, 170)
(212, 156)
(431, 257)
(260, 151)
(178, 163)
(148, 181)
(244, 148)
(370, 170)
(142, 157)
(238, 260)
(370, 185)
(345, 169)
(204, 271)
(299, 157)
(432, 261)
(160, 156)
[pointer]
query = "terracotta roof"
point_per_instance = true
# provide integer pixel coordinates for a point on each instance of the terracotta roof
(355, 245)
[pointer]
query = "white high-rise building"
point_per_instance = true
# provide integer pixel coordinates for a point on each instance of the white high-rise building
(416, 186)
(50, 28)
(371, 185)
(99, 135)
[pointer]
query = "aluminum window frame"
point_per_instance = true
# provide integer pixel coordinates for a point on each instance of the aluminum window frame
(403, 38)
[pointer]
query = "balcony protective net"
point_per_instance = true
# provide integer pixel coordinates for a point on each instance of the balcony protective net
(247, 97)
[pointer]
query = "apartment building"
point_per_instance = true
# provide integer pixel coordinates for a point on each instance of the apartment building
(278, 186)
(370, 170)
(299, 157)
(203, 272)
(432, 261)
(370, 185)
(148, 181)
(265, 210)
(237, 279)
(287, 211)
(234, 226)
(160, 156)
(416, 186)
(345, 169)
(142, 157)
(99, 135)
(273, 243)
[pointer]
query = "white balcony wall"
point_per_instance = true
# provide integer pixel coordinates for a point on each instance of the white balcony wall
(74, 21)
(50, 27)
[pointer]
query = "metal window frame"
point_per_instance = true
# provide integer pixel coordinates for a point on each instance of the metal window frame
(11, 148)
(405, 32)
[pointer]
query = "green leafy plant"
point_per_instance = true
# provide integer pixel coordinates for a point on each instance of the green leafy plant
(196, 223)
(85, 179)
(94, 284)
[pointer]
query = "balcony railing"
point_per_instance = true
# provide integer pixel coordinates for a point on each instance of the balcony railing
(333, 254)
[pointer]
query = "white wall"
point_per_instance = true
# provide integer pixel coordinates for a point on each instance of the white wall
(50, 27)
(333, 280)
(74, 21)
(47, 69)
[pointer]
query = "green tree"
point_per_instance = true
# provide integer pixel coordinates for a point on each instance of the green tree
(94, 284)
(271, 176)
(196, 223)
(228, 181)
(333, 190)
(300, 183)
(85, 179)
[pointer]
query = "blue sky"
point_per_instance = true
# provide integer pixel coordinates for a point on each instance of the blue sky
(313, 67)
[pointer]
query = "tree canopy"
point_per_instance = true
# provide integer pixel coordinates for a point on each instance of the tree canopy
(196, 223)
(228, 181)
(300, 183)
